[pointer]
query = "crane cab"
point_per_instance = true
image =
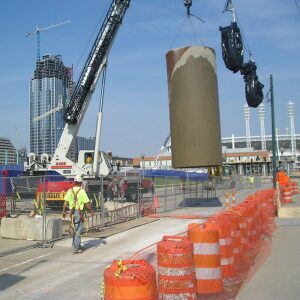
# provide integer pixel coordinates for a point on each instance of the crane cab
(86, 161)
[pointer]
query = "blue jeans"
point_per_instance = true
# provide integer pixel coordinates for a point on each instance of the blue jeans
(78, 229)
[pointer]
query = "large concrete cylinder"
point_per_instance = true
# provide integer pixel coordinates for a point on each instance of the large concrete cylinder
(194, 107)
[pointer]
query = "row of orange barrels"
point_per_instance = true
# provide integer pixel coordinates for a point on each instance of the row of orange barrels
(287, 190)
(212, 259)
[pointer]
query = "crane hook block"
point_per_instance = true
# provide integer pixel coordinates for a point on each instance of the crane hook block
(188, 4)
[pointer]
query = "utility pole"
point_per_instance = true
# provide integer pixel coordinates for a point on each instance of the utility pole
(274, 148)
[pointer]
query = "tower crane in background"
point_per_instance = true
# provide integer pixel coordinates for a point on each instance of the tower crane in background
(38, 31)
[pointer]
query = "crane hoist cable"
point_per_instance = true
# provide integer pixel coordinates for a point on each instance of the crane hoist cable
(297, 5)
(188, 4)
(191, 26)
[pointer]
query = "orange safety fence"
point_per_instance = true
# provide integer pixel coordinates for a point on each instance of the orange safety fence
(211, 260)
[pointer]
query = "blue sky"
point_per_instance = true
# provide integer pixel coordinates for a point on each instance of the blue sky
(136, 114)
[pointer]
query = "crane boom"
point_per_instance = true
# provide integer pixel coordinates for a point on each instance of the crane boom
(46, 28)
(97, 56)
(86, 84)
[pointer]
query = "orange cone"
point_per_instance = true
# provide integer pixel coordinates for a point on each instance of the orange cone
(233, 200)
(227, 201)
(155, 202)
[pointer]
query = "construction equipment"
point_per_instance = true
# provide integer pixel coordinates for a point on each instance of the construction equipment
(78, 104)
(163, 148)
(188, 4)
(38, 31)
(94, 67)
(233, 56)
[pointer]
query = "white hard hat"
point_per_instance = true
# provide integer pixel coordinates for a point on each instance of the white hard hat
(78, 178)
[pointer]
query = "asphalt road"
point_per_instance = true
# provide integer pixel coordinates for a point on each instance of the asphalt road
(57, 274)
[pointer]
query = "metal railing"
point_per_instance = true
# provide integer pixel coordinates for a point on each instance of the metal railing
(33, 204)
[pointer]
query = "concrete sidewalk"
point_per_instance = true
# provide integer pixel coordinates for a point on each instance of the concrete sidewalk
(279, 277)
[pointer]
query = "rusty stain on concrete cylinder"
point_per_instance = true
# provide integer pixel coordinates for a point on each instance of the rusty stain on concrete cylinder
(194, 107)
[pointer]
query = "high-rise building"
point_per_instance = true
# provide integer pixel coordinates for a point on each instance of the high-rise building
(49, 92)
(7, 152)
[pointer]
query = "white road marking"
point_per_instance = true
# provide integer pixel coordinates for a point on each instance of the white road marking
(26, 262)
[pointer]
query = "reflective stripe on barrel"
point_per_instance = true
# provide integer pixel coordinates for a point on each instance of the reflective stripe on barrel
(226, 247)
(207, 258)
(176, 272)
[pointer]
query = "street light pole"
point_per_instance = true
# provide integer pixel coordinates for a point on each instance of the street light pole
(143, 166)
(274, 149)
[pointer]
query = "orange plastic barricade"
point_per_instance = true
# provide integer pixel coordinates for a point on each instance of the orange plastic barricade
(226, 247)
(234, 218)
(294, 187)
(176, 271)
(207, 258)
(267, 211)
(130, 280)
(248, 211)
(286, 195)
(282, 178)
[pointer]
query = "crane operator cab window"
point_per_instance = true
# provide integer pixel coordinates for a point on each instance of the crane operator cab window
(88, 158)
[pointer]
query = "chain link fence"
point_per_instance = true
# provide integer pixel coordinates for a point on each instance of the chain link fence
(31, 207)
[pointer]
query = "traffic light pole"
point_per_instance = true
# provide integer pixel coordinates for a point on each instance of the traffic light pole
(274, 149)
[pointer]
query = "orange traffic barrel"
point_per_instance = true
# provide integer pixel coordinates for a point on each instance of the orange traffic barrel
(294, 186)
(176, 271)
(234, 218)
(248, 211)
(226, 247)
(242, 210)
(207, 258)
(130, 280)
(286, 195)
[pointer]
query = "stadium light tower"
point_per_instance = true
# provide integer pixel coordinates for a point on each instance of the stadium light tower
(247, 117)
(277, 139)
(291, 114)
(262, 116)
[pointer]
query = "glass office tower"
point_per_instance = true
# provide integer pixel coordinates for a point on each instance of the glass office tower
(50, 89)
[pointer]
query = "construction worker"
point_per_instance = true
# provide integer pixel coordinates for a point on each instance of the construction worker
(89, 159)
(251, 180)
(77, 200)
